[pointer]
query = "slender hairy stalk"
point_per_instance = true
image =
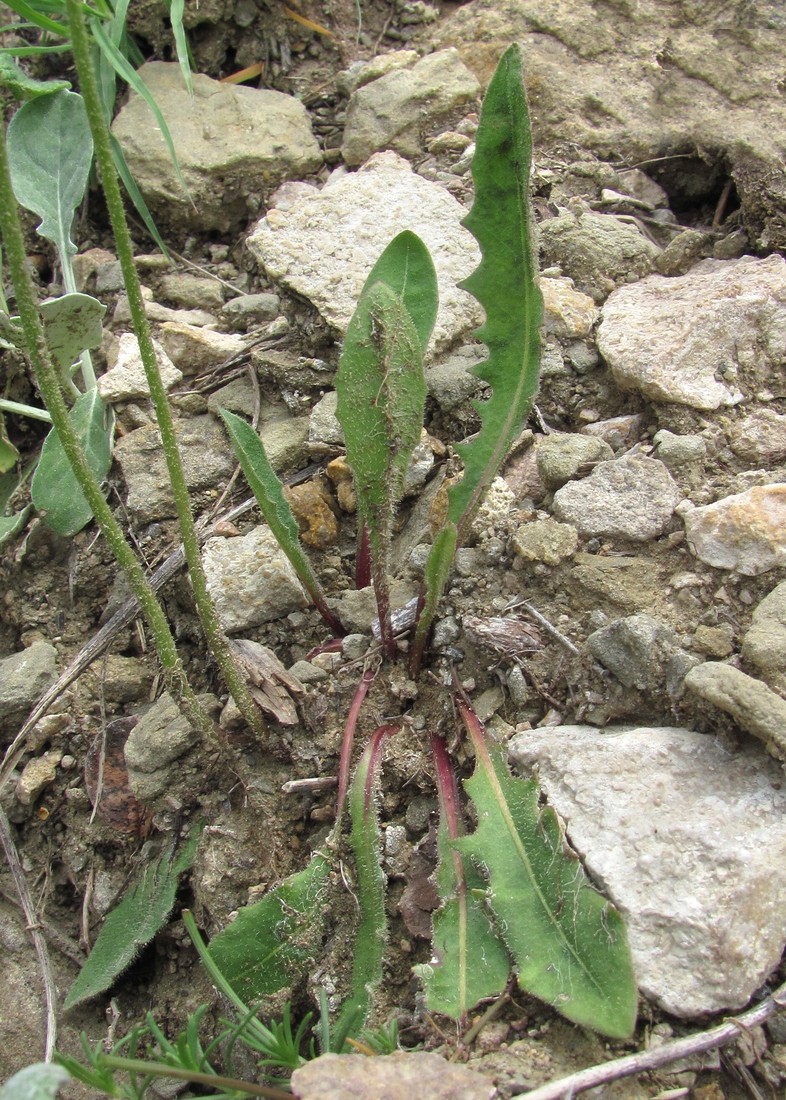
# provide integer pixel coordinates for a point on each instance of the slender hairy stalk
(108, 174)
(48, 380)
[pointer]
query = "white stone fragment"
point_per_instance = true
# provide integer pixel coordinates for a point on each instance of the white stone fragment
(688, 339)
(251, 580)
(745, 532)
(324, 246)
(127, 379)
(688, 841)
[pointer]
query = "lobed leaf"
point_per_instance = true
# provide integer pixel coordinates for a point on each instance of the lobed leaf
(568, 942)
(132, 924)
(504, 283)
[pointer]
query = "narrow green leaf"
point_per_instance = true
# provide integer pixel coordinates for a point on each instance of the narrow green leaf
(435, 577)
(133, 923)
(136, 196)
(8, 452)
(381, 399)
(471, 961)
(50, 150)
(269, 493)
(38, 18)
(72, 323)
(176, 12)
(54, 489)
(270, 943)
(504, 283)
(369, 949)
(568, 942)
(21, 84)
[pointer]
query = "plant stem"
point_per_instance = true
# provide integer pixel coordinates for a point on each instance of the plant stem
(214, 1080)
(125, 253)
(48, 380)
(24, 410)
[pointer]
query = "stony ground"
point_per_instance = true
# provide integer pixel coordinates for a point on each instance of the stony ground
(618, 616)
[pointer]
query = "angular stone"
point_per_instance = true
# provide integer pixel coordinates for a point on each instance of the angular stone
(688, 340)
(250, 580)
(562, 457)
(752, 705)
(545, 540)
(392, 111)
(312, 507)
(37, 775)
(567, 312)
(197, 350)
(24, 676)
(126, 379)
(324, 245)
(633, 497)
(745, 532)
(192, 291)
(161, 737)
(597, 251)
(642, 652)
(688, 840)
(231, 141)
(760, 437)
(764, 645)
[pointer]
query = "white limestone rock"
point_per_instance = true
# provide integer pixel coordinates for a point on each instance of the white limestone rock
(688, 841)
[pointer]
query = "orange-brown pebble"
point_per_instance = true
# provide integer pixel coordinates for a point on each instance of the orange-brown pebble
(340, 473)
(312, 507)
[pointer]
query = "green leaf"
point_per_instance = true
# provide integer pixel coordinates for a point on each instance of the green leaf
(37, 1082)
(133, 923)
(23, 86)
(8, 452)
(472, 962)
(369, 949)
(270, 943)
(407, 268)
(32, 14)
(269, 493)
(568, 942)
(50, 151)
(504, 283)
(381, 400)
(176, 12)
(55, 490)
(72, 323)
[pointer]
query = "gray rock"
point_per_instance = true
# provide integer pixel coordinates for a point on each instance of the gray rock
(630, 81)
(764, 644)
(760, 437)
(679, 450)
(397, 1076)
(753, 706)
(357, 608)
(392, 111)
(633, 497)
(545, 540)
(597, 251)
(688, 840)
(324, 245)
(692, 339)
(197, 350)
(126, 379)
(562, 457)
(363, 72)
(251, 309)
(285, 439)
(238, 396)
(323, 425)
(745, 532)
(307, 673)
(231, 142)
(642, 652)
(205, 453)
(24, 676)
(162, 736)
(192, 291)
(620, 432)
(250, 580)
(452, 382)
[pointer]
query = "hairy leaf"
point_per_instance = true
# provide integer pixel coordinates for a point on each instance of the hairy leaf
(40, 1081)
(50, 150)
(568, 942)
(71, 324)
(24, 86)
(372, 931)
(381, 399)
(132, 924)
(471, 962)
(269, 493)
(504, 283)
(54, 489)
(407, 268)
(270, 943)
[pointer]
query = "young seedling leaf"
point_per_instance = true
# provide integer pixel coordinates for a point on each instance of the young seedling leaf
(407, 269)
(269, 493)
(370, 888)
(471, 961)
(381, 399)
(568, 942)
(133, 923)
(40, 1081)
(72, 323)
(270, 943)
(50, 151)
(54, 489)
(504, 283)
